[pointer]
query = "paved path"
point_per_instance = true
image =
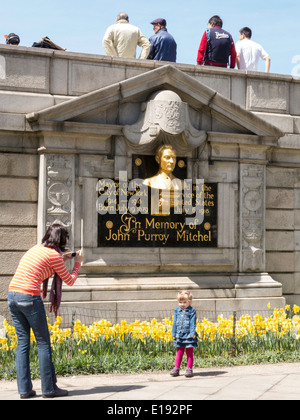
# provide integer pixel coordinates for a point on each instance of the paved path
(263, 382)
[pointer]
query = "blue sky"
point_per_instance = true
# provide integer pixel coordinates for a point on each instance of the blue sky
(80, 25)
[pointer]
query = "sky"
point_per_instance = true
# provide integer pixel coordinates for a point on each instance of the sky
(79, 25)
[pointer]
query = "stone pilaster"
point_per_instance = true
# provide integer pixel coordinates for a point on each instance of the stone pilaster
(252, 218)
(56, 189)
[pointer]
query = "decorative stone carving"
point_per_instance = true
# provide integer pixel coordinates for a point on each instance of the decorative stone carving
(271, 95)
(252, 218)
(164, 115)
(2, 67)
(96, 166)
(60, 180)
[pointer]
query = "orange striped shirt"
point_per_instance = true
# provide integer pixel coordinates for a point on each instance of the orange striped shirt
(38, 264)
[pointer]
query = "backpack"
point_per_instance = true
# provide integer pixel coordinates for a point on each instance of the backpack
(12, 39)
(46, 42)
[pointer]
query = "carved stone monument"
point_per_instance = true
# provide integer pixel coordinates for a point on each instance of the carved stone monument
(165, 138)
(161, 179)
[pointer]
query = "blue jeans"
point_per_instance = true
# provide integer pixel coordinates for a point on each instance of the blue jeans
(29, 312)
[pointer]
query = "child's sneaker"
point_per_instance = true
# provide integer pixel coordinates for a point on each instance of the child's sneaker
(189, 373)
(175, 372)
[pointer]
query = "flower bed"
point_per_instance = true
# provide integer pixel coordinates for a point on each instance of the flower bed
(143, 346)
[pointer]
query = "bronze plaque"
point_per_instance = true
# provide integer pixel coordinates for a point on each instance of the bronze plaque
(158, 208)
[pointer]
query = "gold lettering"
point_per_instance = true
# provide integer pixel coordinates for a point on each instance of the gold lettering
(151, 224)
(117, 236)
(153, 237)
(193, 237)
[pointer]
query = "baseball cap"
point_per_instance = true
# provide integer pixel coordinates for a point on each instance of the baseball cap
(159, 21)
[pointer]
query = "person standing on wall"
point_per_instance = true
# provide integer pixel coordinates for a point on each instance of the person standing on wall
(163, 45)
(27, 309)
(216, 46)
(122, 39)
(249, 52)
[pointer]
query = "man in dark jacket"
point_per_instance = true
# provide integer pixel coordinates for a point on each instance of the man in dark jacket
(163, 45)
(216, 46)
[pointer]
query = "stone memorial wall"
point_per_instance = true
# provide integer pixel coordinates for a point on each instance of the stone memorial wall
(76, 130)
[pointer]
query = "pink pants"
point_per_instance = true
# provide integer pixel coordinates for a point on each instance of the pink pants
(189, 355)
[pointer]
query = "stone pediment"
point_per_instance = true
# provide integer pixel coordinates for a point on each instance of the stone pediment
(113, 109)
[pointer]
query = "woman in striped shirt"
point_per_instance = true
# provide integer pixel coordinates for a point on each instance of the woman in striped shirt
(27, 309)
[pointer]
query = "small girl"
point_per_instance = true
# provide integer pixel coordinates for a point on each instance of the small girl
(184, 332)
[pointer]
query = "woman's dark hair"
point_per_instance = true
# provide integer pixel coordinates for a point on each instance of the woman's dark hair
(56, 237)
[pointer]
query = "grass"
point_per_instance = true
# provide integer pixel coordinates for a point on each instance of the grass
(129, 364)
(103, 348)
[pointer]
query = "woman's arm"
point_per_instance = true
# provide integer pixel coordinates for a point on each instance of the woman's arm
(58, 265)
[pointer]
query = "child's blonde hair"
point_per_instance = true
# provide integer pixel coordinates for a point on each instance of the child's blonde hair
(184, 295)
